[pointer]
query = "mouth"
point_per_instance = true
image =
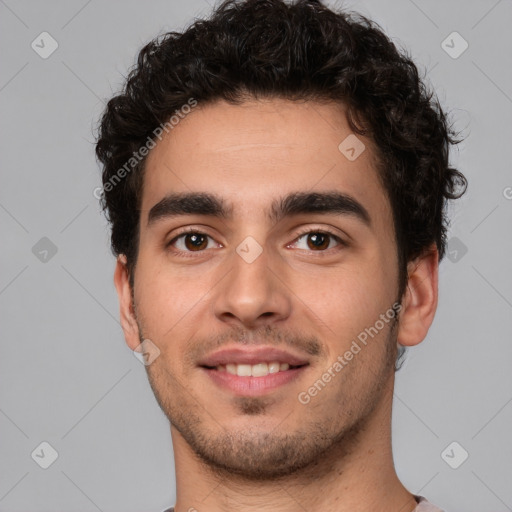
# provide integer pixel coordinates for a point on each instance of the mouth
(257, 370)
(245, 372)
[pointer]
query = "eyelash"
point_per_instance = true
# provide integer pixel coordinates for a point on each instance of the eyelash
(188, 254)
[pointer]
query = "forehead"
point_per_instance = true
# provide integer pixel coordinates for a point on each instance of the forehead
(257, 151)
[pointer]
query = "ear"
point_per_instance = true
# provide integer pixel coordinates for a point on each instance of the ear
(419, 303)
(126, 311)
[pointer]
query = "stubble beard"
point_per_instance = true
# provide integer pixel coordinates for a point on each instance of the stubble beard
(324, 438)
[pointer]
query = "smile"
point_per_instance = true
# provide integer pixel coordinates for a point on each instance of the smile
(254, 370)
(253, 380)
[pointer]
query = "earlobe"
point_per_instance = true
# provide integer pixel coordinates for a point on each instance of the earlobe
(126, 311)
(420, 298)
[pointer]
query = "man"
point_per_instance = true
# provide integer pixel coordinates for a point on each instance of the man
(276, 179)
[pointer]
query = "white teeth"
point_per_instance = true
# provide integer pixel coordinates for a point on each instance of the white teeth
(259, 370)
(243, 370)
(273, 367)
(255, 370)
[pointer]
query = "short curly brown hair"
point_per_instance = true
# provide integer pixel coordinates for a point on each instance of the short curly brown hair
(296, 51)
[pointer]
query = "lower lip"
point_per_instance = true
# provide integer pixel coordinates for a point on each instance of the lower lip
(253, 386)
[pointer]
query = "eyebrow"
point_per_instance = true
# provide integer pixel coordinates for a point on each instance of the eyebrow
(295, 203)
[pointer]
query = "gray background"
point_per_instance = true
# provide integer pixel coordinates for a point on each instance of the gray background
(66, 375)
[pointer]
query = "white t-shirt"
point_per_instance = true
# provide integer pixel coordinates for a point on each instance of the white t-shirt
(425, 506)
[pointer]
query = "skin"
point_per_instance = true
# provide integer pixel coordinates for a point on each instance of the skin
(273, 452)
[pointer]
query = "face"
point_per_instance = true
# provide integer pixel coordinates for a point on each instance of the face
(255, 289)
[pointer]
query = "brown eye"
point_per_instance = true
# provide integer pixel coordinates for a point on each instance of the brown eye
(195, 241)
(190, 241)
(319, 241)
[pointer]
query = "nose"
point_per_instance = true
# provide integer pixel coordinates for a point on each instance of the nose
(253, 293)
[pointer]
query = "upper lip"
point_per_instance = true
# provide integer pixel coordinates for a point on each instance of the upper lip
(246, 355)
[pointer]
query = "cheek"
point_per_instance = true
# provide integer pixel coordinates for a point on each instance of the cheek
(169, 303)
(345, 302)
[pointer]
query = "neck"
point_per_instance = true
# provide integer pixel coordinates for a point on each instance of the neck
(356, 474)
